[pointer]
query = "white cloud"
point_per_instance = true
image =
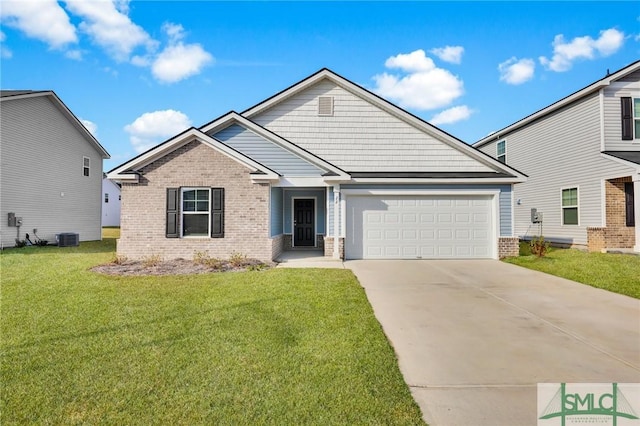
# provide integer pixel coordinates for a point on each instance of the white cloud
(424, 87)
(451, 115)
(74, 54)
(178, 60)
(110, 27)
(565, 53)
(451, 54)
(4, 51)
(153, 127)
(90, 125)
(516, 71)
(44, 20)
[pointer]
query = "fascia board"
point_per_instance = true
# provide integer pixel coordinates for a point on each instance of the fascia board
(121, 172)
(391, 181)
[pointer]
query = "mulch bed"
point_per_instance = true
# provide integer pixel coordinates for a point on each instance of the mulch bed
(177, 267)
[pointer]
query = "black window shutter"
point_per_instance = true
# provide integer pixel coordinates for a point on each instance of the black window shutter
(629, 204)
(173, 207)
(627, 118)
(217, 212)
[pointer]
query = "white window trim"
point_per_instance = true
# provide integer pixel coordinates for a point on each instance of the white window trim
(182, 213)
(577, 187)
(88, 167)
(504, 141)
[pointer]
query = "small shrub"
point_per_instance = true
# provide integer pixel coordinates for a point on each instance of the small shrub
(21, 243)
(256, 267)
(539, 247)
(237, 259)
(202, 258)
(119, 259)
(152, 260)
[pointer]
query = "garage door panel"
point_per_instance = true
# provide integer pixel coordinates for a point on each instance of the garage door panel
(443, 226)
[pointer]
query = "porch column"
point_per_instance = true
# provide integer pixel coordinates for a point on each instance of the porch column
(336, 221)
(636, 207)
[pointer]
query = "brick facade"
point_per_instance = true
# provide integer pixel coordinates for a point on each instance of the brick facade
(328, 247)
(596, 240)
(508, 247)
(617, 234)
(246, 215)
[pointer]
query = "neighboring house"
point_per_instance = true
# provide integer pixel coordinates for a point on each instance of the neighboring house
(51, 170)
(110, 202)
(582, 156)
(323, 164)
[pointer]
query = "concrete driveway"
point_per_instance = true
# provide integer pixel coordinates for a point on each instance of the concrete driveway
(473, 338)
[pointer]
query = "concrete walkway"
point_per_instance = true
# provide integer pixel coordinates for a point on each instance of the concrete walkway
(307, 259)
(473, 338)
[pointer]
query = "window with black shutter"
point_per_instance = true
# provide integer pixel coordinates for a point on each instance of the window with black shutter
(173, 205)
(627, 118)
(195, 212)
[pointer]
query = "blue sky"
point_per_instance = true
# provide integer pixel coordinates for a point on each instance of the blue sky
(138, 72)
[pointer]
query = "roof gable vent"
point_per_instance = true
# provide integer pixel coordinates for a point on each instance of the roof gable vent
(325, 105)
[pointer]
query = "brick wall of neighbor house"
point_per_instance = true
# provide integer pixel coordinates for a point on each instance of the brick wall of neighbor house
(595, 238)
(246, 215)
(508, 247)
(617, 234)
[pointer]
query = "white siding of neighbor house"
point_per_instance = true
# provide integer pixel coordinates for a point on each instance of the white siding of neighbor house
(612, 111)
(110, 210)
(266, 152)
(359, 136)
(561, 150)
(41, 161)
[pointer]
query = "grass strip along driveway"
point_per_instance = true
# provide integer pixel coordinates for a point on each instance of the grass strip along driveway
(282, 346)
(619, 273)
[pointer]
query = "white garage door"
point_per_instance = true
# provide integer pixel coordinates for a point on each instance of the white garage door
(427, 227)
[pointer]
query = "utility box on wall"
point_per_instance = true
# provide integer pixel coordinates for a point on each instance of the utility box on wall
(536, 217)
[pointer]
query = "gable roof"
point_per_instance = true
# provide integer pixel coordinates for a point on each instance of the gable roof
(11, 95)
(233, 118)
(390, 108)
(603, 82)
(129, 170)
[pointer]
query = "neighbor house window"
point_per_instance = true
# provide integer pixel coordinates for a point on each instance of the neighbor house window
(195, 212)
(85, 166)
(501, 151)
(570, 206)
(106, 197)
(630, 112)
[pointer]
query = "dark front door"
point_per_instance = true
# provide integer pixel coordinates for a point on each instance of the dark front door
(304, 222)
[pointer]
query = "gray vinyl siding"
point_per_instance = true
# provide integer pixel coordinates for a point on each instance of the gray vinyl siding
(41, 163)
(561, 150)
(504, 198)
(277, 211)
(359, 136)
(613, 119)
(266, 153)
(330, 211)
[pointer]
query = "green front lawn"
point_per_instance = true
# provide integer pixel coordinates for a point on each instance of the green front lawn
(282, 346)
(619, 273)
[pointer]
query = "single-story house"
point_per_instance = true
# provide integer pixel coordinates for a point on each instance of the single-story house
(324, 164)
(50, 169)
(582, 156)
